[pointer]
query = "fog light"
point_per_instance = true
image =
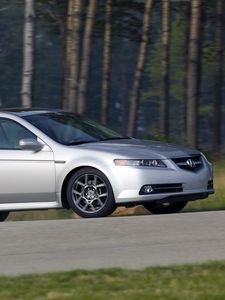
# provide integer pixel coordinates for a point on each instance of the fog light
(147, 189)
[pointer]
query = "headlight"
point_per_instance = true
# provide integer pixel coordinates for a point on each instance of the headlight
(140, 163)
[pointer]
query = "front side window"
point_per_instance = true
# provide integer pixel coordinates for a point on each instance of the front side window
(11, 133)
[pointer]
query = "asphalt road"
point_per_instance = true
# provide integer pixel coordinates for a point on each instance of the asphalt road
(131, 242)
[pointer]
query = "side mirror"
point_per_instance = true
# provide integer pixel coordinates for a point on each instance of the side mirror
(30, 144)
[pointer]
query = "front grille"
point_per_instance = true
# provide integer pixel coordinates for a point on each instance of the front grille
(163, 188)
(191, 163)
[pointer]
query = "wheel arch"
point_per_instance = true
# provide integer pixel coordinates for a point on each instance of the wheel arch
(64, 199)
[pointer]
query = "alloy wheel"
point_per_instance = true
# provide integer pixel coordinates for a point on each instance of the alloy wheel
(89, 193)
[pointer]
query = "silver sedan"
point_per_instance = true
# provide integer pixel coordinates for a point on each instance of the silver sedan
(54, 159)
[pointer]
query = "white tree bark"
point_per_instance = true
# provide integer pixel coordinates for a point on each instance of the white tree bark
(28, 54)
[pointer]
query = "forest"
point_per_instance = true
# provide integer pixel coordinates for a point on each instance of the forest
(151, 69)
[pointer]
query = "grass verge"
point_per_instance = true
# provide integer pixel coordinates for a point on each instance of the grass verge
(196, 282)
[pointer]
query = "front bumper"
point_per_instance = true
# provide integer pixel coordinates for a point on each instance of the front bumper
(128, 181)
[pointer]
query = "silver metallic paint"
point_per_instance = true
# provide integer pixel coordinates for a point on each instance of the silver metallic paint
(34, 180)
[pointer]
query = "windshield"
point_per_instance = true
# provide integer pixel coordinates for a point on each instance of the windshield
(69, 129)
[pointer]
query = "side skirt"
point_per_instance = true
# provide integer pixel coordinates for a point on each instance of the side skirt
(29, 206)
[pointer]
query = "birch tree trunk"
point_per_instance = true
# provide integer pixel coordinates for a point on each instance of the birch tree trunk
(164, 103)
(106, 63)
(86, 56)
(193, 76)
(68, 53)
(139, 69)
(28, 54)
(217, 128)
(75, 56)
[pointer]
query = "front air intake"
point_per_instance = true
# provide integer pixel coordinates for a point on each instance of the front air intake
(210, 185)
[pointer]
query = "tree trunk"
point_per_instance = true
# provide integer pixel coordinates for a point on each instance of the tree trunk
(28, 54)
(68, 53)
(217, 128)
(86, 56)
(193, 76)
(106, 63)
(186, 55)
(164, 103)
(139, 69)
(75, 56)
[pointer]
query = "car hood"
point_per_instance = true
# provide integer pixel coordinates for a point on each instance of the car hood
(133, 148)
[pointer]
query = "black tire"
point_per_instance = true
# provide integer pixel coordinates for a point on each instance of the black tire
(90, 195)
(164, 208)
(3, 215)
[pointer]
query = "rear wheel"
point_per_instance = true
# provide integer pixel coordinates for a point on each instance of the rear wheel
(164, 208)
(90, 194)
(3, 215)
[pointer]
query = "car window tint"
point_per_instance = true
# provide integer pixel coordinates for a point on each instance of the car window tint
(11, 133)
(66, 132)
(67, 128)
(3, 140)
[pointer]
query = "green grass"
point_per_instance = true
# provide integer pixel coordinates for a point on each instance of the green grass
(51, 214)
(195, 282)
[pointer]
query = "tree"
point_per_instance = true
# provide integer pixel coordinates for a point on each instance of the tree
(75, 56)
(164, 103)
(68, 53)
(186, 55)
(139, 68)
(193, 75)
(106, 62)
(28, 54)
(86, 56)
(217, 128)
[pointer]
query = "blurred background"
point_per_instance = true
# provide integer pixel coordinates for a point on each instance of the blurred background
(151, 69)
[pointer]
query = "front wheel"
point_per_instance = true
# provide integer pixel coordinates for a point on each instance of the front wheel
(90, 194)
(164, 208)
(3, 215)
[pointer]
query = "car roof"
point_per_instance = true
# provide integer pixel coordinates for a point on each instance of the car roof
(22, 112)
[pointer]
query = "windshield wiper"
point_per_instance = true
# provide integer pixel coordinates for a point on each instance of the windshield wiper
(116, 138)
(73, 143)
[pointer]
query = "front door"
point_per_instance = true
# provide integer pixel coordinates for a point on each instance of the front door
(25, 176)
